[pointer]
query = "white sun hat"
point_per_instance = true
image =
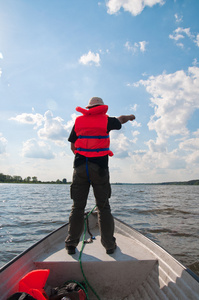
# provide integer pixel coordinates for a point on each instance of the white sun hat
(94, 101)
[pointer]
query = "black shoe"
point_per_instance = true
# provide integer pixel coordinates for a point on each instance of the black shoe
(70, 249)
(111, 251)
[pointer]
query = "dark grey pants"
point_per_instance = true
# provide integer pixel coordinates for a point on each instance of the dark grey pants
(99, 179)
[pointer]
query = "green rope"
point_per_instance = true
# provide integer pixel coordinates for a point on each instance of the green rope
(80, 256)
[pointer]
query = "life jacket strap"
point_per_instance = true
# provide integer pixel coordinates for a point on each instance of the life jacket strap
(87, 171)
(93, 150)
(93, 136)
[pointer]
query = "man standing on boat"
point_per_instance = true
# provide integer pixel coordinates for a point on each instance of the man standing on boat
(90, 141)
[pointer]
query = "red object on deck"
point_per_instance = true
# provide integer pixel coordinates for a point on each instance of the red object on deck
(33, 284)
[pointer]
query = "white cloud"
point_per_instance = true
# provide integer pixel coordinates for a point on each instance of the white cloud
(196, 133)
(193, 158)
(191, 146)
(156, 161)
(140, 46)
(158, 146)
(181, 45)
(174, 98)
(71, 122)
(131, 48)
(178, 18)
(26, 118)
(143, 46)
(135, 134)
(197, 40)
(135, 7)
(136, 124)
(134, 107)
(119, 144)
(53, 129)
(90, 58)
(37, 149)
(195, 62)
(3, 143)
(180, 33)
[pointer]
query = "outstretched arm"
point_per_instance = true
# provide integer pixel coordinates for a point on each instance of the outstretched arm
(124, 119)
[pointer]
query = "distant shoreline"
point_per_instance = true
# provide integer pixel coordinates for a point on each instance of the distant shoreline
(38, 182)
(10, 179)
(28, 180)
(190, 182)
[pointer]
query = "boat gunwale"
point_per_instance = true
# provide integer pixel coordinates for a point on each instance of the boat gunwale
(139, 234)
(4, 267)
(189, 271)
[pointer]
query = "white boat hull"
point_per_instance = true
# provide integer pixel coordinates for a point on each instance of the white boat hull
(138, 269)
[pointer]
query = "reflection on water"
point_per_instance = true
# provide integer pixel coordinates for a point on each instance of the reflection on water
(169, 215)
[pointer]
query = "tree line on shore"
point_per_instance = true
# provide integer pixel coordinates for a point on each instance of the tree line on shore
(190, 182)
(19, 179)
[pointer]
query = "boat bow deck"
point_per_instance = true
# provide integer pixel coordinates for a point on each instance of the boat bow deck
(138, 269)
(108, 274)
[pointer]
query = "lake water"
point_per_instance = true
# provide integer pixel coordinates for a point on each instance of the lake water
(169, 215)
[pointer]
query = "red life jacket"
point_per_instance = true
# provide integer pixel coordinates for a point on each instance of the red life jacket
(91, 130)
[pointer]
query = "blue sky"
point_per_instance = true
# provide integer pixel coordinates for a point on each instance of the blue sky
(140, 57)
